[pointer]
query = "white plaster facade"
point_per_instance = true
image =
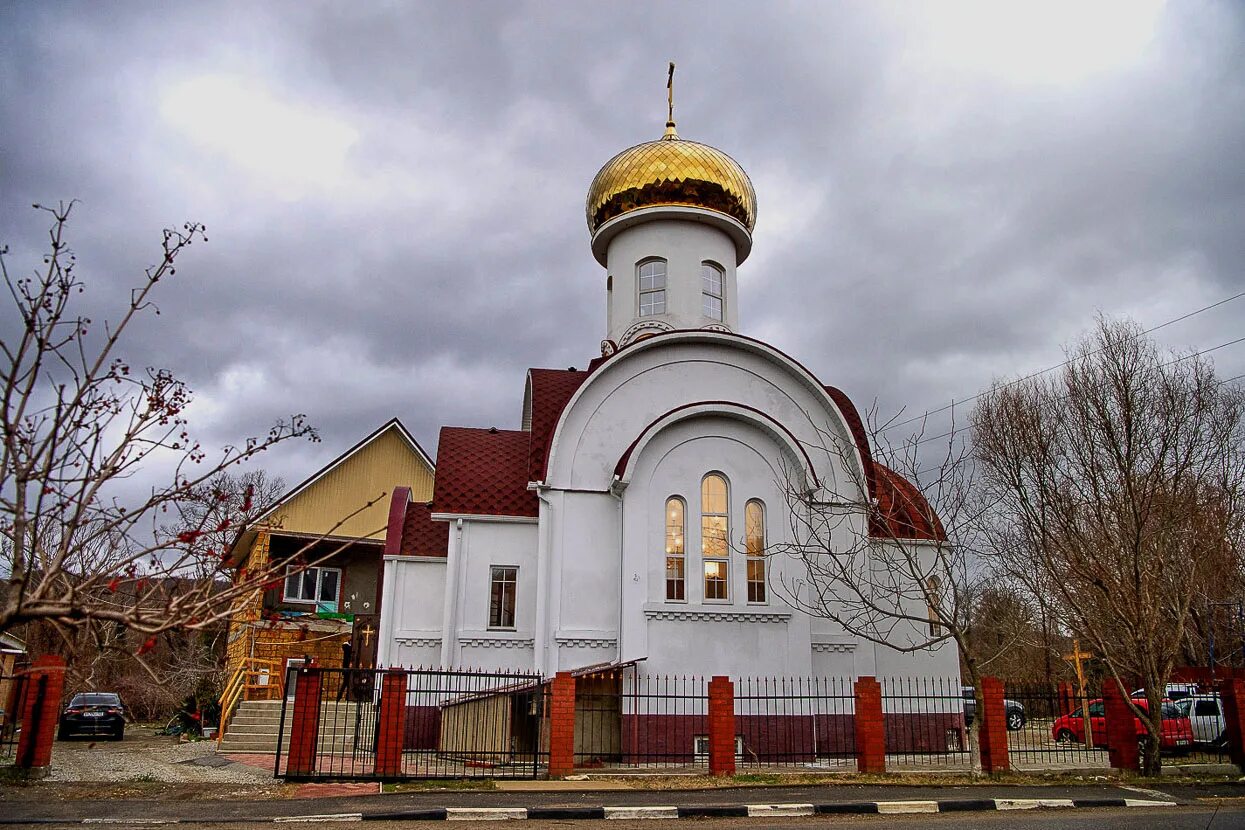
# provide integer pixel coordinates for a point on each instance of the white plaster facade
(649, 422)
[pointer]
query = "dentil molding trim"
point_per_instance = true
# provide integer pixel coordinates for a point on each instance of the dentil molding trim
(587, 642)
(418, 642)
(834, 648)
(715, 615)
(497, 641)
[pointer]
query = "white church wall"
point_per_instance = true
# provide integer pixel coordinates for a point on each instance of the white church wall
(411, 613)
(584, 596)
(684, 245)
(486, 543)
(655, 377)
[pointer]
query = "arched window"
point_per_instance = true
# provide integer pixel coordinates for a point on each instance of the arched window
(933, 599)
(676, 524)
(754, 548)
(711, 290)
(714, 536)
(651, 276)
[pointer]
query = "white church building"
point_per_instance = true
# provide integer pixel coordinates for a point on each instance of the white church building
(632, 514)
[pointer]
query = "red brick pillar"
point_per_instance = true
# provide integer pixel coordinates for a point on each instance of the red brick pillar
(392, 728)
(1066, 698)
(992, 737)
(305, 724)
(561, 725)
(870, 728)
(1121, 729)
(721, 726)
(40, 715)
(1232, 697)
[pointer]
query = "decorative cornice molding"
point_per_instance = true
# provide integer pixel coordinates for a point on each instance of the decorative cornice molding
(834, 648)
(498, 642)
(715, 615)
(587, 642)
(418, 642)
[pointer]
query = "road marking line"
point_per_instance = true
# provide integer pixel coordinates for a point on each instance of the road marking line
(146, 821)
(641, 812)
(895, 807)
(1031, 803)
(780, 810)
(485, 813)
(319, 818)
(1143, 802)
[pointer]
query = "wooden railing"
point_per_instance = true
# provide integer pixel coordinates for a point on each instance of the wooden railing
(255, 679)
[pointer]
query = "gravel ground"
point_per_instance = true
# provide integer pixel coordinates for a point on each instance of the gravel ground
(146, 756)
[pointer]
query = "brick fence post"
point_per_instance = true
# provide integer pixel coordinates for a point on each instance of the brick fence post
(562, 725)
(870, 728)
(40, 715)
(721, 726)
(391, 730)
(1066, 698)
(1232, 698)
(1121, 729)
(993, 728)
(305, 724)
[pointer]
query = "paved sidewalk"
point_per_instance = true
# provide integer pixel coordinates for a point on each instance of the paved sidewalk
(717, 801)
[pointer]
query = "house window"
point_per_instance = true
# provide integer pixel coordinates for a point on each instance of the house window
(676, 577)
(316, 585)
(714, 533)
(711, 290)
(652, 278)
(754, 547)
(503, 587)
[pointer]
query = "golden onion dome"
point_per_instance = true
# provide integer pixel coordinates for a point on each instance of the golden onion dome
(671, 171)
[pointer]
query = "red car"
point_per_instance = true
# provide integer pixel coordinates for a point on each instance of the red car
(1177, 733)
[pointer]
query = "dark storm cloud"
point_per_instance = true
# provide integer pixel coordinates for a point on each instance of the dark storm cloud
(394, 192)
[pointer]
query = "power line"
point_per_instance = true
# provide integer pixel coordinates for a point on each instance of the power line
(1164, 325)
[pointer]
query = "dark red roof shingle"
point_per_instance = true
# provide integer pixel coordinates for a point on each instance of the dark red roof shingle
(551, 392)
(483, 472)
(421, 536)
(903, 513)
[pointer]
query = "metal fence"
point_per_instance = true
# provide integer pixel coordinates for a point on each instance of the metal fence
(803, 722)
(1049, 730)
(454, 724)
(925, 725)
(664, 721)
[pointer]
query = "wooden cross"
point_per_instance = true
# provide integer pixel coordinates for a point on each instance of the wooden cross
(367, 632)
(1078, 658)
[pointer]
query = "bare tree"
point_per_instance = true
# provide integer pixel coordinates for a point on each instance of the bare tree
(78, 425)
(1117, 485)
(889, 553)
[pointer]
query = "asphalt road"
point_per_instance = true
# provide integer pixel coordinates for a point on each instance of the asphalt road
(1195, 817)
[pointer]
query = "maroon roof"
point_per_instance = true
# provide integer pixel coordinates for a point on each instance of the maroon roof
(411, 530)
(903, 513)
(551, 392)
(483, 472)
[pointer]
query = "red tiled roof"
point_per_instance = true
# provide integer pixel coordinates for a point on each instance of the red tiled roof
(903, 513)
(861, 437)
(483, 472)
(421, 536)
(551, 391)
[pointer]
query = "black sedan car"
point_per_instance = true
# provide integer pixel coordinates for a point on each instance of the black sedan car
(93, 713)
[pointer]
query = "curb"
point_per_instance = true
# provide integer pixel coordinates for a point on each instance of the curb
(636, 812)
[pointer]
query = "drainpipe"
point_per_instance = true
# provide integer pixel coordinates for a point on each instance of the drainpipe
(449, 637)
(544, 573)
(622, 570)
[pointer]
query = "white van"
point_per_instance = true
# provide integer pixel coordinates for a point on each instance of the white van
(1205, 714)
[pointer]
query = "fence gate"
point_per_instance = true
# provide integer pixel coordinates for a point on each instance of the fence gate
(449, 723)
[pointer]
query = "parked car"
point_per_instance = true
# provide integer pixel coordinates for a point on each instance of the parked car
(1205, 713)
(1015, 712)
(1172, 691)
(1176, 735)
(93, 713)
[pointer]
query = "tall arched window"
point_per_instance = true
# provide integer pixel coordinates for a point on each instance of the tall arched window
(651, 276)
(676, 578)
(711, 290)
(714, 536)
(754, 548)
(933, 599)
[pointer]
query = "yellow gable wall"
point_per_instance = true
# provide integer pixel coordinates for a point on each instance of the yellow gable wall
(387, 462)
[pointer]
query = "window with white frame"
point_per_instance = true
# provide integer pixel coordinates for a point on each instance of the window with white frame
(754, 548)
(651, 275)
(711, 290)
(503, 588)
(676, 558)
(316, 585)
(714, 536)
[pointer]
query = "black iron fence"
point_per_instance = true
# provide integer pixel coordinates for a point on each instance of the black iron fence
(664, 720)
(925, 723)
(803, 722)
(1049, 728)
(447, 724)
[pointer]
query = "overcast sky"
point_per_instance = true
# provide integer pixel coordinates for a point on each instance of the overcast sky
(394, 191)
